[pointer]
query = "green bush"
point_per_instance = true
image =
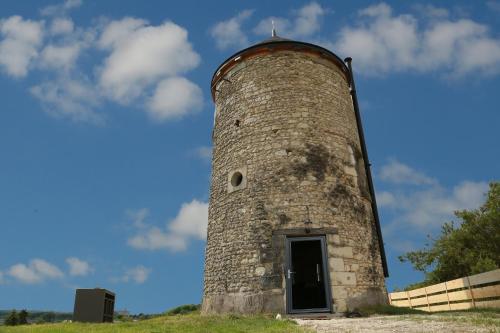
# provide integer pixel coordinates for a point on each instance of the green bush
(12, 319)
(468, 247)
(183, 309)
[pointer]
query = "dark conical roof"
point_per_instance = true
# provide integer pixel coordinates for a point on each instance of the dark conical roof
(274, 39)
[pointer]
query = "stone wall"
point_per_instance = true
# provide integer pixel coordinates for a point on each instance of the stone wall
(286, 121)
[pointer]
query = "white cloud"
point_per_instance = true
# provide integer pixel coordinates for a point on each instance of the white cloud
(429, 205)
(434, 206)
(470, 194)
(20, 44)
(203, 152)
(78, 267)
(190, 223)
(382, 42)
(61, 26)
(399, 173)
(24, 274)
(154, 238)
(60, 9)
(138, 274)
(117, 31)
(138, 216)
(58, 57)
(143, 65)
(431, 11)
(385, 199)
(462, 46)
(70, 98)
(148, 55)
(229, 34)
(173, 98)
(36, 271)
(306, 21)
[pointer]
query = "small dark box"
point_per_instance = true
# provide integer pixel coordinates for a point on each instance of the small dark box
(94, 306)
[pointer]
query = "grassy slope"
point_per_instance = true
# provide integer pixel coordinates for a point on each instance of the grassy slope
(191, 323)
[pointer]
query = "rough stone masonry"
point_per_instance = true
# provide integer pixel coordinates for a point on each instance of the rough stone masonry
(286, 150)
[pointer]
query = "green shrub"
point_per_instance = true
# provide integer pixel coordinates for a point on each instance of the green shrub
(183, 309)
(12, 319)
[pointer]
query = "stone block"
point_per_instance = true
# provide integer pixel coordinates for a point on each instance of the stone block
(340, 305)
(344, 279)
(343, 252)
(353, 267)
(337, 264)
(259, 271)
(339, 292)
(336, 239)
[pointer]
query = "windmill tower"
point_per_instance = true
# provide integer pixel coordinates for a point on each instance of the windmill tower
(293, 223)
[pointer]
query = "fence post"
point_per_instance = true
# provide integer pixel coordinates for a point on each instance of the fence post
(471, 294)
(447, 296)
(427, 299)
(409, 299)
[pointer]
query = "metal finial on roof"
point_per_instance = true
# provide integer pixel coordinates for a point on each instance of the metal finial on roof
(273, 33)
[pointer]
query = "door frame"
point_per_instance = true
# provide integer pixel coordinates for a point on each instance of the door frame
(326, 275)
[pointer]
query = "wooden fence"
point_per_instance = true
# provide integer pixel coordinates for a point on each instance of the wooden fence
(475, 291)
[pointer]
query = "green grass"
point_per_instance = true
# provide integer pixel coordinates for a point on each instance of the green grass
(387, 310)
(189, 323)
(483, 317)
(476, 310)
(486, 317)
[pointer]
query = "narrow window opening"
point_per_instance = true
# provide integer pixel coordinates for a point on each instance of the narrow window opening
(237, 123)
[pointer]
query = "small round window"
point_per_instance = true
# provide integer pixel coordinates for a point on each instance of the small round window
(236, 179)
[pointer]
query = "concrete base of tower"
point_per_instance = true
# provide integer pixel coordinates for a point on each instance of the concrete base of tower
(274, 302)
(369, 297)
(244, 303)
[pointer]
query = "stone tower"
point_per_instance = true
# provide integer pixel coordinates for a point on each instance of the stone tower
(293, 224)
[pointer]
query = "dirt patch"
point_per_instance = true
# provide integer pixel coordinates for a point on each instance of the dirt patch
(403, 324)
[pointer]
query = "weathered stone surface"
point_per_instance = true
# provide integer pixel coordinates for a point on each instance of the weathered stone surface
(339, 292)
(343, 279)
(285, 119)
(344, 252)
(337, 265)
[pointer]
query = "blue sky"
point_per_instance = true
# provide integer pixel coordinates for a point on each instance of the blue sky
(106, 120)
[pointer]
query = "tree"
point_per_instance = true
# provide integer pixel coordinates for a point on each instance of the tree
(471, 248)
(12, 319)
(49, 317)
(23, 317)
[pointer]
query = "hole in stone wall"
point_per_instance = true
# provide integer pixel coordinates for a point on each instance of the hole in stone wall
(236, 179)
(237, 123)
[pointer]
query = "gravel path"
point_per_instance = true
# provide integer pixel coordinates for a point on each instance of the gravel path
(404, 324)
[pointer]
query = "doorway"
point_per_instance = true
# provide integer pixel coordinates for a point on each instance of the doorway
(307, 281)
